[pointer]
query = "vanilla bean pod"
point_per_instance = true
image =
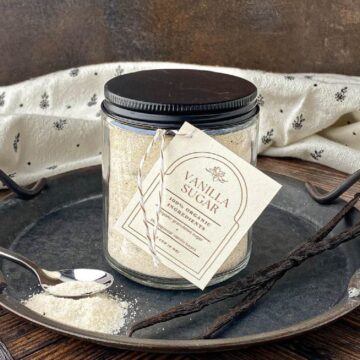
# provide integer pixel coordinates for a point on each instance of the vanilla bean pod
(255, 280)
(245, 304)
(254, 296)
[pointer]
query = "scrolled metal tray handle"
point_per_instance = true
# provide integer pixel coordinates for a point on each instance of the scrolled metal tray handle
(329, 197)
(4, 352)
(21, 191)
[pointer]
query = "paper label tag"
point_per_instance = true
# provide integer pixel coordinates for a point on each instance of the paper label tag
(211, 198)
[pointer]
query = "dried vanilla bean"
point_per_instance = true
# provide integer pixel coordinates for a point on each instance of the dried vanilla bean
(245, 304)
(254, 296)
(262, 276)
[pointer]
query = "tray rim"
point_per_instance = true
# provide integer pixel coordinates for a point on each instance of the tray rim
(170, 346)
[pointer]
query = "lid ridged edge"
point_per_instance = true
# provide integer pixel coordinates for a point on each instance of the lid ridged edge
(175, 109)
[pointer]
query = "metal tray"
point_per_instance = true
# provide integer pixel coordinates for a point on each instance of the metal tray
(62, 227)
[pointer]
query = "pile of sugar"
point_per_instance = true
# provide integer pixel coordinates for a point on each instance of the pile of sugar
(101, 312)
(75, 288)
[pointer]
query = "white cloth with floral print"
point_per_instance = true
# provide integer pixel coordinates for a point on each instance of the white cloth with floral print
(51, 124)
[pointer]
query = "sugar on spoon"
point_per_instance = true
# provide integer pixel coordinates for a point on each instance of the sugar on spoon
(49, 279)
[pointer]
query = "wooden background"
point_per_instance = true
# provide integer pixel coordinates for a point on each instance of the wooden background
(41, 36)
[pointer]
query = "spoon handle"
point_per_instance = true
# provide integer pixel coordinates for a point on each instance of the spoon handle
(21, 260)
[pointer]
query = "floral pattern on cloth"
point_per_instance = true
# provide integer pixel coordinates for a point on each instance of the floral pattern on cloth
(52, 124)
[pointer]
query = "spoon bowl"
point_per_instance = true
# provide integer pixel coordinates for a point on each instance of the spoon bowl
(98, 279)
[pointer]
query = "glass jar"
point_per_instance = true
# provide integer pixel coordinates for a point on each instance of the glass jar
(135, 106)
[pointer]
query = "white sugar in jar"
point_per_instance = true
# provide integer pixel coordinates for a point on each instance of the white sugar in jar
(138, 104)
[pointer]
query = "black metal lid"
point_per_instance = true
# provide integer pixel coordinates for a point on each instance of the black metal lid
(165, 98)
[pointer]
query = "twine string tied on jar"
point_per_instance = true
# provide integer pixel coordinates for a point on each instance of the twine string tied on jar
(151, 236)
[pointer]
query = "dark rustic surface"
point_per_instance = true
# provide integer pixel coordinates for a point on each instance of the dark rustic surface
(41, 36)
(339, 340)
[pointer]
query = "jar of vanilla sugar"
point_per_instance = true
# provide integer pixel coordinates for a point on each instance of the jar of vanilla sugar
(135, 106)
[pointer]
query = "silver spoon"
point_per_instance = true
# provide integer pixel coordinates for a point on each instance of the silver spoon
(50, 278)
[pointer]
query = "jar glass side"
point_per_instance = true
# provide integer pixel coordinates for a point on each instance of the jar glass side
(123, 149)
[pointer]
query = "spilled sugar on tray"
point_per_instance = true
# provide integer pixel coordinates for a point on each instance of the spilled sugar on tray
(102, 312)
